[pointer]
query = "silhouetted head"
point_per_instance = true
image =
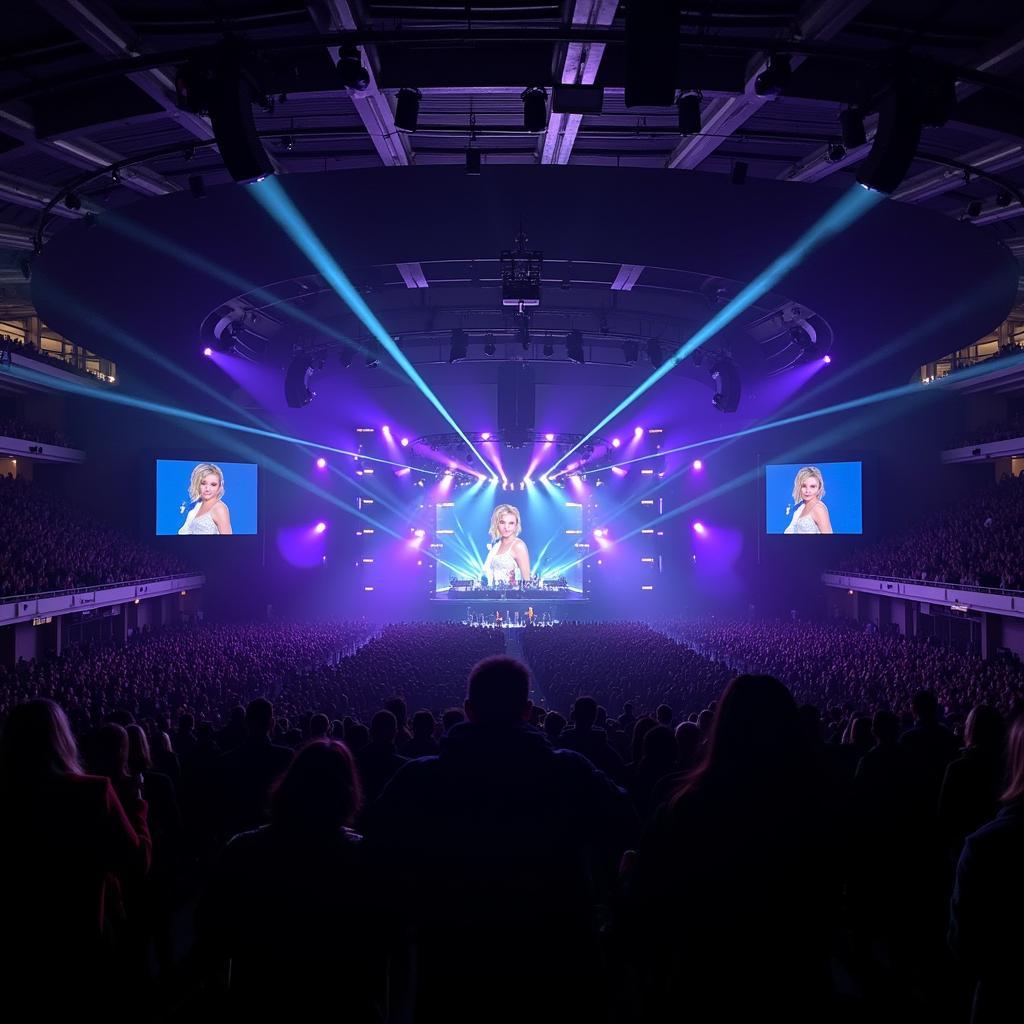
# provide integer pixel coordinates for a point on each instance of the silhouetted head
(186, 721)
(663, 714)
(453, 716)
(756, 739)
(423, 725)
(1015, 762)
(925, 707)
(259, 717)
(383, 727)
(554, 723)
(584, 712)
(641, 727)
(660, 748)
(499, 692)
(320, 791)
(886, 727)
(860, 732)
(357, 736)
(985, 728)
(687, 738)
(396, 705)
(319, 724)
(37, 743)
(108, 752)
(139, 759)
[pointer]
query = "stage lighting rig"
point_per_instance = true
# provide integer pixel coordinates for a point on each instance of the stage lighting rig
(574, 347)
(459, 346)
(521, 274)
(297, 391)
(351, 72)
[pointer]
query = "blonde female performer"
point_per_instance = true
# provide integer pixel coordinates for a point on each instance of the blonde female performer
(810, 516)
(507, 552)
(209, 514)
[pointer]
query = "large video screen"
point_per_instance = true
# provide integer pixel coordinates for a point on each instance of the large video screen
(807, 499)
(205, 498)
(487, 545)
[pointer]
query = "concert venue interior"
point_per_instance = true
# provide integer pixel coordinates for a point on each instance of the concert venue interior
(673, 356)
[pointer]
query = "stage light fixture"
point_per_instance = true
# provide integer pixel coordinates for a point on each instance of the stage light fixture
(630, 352)
(535, 109)
(835, 152)
(801, 337)
(638, 432)
(297, 392)
(353, 75)
(549, 349)
(699, 527)
(616, 442)
(404, 442)
(72, 202)
(574, 347)
(485, 436)
(827, 360)
(655, 353)
(974, 208)
(775, 76)
(851, 127)
(489, 348)
(688, 110)
(407, 109)
(459, 345)
(549, 437)
(321, 463)
(207, 351)
(895, 143)
(698, 465)
(320, 527)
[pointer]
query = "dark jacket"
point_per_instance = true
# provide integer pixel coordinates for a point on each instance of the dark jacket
(246, 775)
(498, 848)
(986, 913)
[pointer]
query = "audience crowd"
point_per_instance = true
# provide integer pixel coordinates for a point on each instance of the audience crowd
(10, 427)
(617, 833)
(976, 543)
(49, 544)
(995, 430)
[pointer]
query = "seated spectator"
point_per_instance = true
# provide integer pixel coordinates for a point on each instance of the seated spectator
(379, 759)
(422, 743)
(590, 741)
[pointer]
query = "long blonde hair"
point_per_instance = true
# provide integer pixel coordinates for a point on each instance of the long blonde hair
(805, 474)
(204, 469)
(501, 510)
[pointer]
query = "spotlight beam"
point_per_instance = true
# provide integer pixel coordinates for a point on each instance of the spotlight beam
(276, 202)
(29, 374)
(903, 391)
(853, 205)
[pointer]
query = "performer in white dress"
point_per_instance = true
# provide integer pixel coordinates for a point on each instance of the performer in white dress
(508, 559)
(208, 515)
(811, 515)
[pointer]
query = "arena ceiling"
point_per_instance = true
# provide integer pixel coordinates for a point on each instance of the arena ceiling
(89, 112)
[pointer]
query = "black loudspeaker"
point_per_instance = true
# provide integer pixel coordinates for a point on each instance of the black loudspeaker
(652, 53)
(726, 376)
(895, 144)
(296, 382)
(517, 398)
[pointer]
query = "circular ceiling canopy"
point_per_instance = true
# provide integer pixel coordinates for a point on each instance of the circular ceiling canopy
(628, 256)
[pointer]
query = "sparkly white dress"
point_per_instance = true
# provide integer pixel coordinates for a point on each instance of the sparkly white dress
(802, 524)
(195, 525)
(500, 568)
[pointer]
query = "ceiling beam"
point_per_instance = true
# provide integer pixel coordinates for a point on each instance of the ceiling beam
(80, 152)
(999, 156)
(104, 33)
(579, 67)
(999, 57)
(22, 192)
(371, 105)
(725, 115)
